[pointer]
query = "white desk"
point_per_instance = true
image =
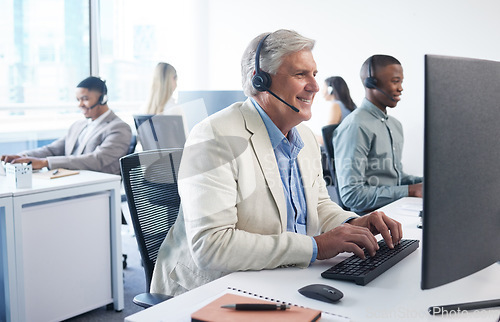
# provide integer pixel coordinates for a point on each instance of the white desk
(393, 296)
(60, 245)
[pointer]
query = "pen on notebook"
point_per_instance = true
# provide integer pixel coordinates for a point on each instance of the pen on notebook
(256, 307)
(55, 171)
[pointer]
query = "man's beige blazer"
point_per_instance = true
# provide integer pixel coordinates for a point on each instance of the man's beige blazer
(233, 214)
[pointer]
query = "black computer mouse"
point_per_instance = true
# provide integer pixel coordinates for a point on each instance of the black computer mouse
(322, 292)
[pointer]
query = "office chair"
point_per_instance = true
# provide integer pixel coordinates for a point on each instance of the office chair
(131, 149)
(160, 131)
(150, 182)
(327, 132)
(133, 144)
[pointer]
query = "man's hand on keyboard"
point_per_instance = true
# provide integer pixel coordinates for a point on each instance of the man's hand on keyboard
(346, 238)
(378, 223)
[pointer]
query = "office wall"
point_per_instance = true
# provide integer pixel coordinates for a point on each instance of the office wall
(347, 32)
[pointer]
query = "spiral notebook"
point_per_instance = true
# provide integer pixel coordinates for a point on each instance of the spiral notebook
(214, 312)
(211, 311)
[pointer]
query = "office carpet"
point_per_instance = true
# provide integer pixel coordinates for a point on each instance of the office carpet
(134, 283)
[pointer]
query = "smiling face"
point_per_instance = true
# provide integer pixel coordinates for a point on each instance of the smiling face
(295, 83)
(389, 80)
(88, 102)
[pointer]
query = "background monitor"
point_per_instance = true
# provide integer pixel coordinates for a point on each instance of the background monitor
(461, 196)
(160, 131)
(214, 100)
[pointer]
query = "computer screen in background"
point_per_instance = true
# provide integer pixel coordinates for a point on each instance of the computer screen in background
(213, 100)
(461, 201)
(160, 131)
(194, 106)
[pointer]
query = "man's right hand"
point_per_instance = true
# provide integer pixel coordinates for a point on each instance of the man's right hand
(415, 190)
(346, 238)
(9, 158)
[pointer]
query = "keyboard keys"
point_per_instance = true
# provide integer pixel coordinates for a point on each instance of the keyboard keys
(363, 271)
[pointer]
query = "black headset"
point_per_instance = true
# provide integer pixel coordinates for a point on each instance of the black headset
(103, 99)
(370, 81)
(261, 81)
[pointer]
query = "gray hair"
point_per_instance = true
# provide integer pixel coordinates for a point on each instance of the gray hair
(279, 44)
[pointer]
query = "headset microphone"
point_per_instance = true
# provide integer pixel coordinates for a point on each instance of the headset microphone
(93, 105)
(261, 81)
(388, 96)
(371, 82)
(291, 106)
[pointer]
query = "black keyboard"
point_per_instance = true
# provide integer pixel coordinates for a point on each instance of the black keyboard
(363, 271)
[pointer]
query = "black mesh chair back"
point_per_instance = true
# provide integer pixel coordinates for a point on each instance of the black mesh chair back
(327, 132)
(150, 182)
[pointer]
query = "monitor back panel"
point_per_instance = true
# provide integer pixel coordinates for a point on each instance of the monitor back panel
(461, 214)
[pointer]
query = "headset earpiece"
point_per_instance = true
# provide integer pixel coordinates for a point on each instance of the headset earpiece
(103, 99)
(370, 81)
(261, 81)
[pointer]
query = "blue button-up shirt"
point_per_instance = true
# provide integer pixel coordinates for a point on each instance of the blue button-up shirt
(286, 151)
(368, 147)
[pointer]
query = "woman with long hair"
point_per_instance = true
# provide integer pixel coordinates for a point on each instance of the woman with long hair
(163, 86)
(337, 91)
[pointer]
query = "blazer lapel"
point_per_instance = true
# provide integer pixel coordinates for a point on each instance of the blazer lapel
(99, 128)
(72, 138)
(304, 162)
(308, 182)
(262, 147)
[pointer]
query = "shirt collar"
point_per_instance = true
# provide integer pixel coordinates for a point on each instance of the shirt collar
(99, 119)
(374, 110)
(275, 134)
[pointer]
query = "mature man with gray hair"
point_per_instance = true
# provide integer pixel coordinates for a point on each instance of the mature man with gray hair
(251, 185)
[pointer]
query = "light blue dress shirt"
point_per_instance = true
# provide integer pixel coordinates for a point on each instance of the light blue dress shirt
(368, 147)
(286, 151)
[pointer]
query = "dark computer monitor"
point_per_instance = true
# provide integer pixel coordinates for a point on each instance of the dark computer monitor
(461, 192)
